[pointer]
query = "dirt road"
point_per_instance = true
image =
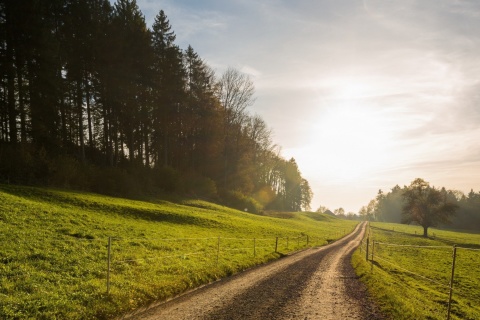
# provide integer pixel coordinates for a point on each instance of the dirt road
(313, 284)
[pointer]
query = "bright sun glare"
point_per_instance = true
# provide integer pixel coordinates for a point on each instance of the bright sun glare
(351, 137)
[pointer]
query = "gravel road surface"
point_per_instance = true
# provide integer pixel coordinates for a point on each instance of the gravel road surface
(317, 283)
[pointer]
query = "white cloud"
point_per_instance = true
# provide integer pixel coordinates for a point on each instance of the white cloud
(250, 71)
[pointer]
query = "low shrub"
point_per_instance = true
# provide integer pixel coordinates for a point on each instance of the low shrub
(198, 186)
(242, 202)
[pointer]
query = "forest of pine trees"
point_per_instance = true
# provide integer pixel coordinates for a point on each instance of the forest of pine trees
(93, 99)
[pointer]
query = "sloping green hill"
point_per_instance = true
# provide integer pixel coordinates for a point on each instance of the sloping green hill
(54, 252)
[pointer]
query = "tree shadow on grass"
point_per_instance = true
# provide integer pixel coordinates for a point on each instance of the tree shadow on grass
(413, 235)
(164, 216)
(57, 198)
(432, 236)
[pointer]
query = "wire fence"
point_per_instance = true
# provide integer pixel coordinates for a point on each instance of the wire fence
(448, 272)
(187, 254)
(119, 262)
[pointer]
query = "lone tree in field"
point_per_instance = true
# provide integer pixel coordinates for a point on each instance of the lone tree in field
(426, 205)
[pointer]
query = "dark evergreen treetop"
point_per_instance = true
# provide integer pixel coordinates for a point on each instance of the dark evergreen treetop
(91, 98)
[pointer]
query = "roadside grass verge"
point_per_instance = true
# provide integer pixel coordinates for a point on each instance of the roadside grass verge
(410, 275)
(54, 249)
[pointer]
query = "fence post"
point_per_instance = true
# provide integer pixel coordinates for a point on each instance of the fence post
(254, 248)
(451, 281)
(373, 249)
(368, 244)
(276, 244)
(218, 248)
(109, 249)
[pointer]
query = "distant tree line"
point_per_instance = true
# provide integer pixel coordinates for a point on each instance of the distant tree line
(339, 213)
(91, 98)
(398, 205)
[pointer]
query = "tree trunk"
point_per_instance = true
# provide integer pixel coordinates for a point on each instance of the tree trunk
(114, 128)
(89, 115)
(63, 119)
(10, 68)
(425, 233)
(165, 150)
(80, 120)
(21, 102)
(147, 148)
(3, 116)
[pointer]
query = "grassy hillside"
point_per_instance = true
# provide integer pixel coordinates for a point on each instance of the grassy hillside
(410, 275)
(54, 249)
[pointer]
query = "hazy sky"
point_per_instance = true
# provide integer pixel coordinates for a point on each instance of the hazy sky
(363, 94)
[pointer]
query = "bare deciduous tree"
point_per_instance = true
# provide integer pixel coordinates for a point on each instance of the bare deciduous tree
(235, 92)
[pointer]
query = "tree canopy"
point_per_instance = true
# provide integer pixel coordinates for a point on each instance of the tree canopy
(426, 205)
(92, 98)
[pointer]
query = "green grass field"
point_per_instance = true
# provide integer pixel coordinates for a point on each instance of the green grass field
(54, 249)
(410, 275)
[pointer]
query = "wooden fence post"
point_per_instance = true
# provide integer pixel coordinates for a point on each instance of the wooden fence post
(368, 244)
(276, 244)
(109, 249)
(451, 281)
(218, 249)
(373, 249)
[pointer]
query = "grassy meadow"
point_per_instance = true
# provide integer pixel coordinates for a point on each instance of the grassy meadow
(54, 249)
(410, 275)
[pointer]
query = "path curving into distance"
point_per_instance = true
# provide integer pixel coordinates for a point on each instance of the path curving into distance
(317, 283)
